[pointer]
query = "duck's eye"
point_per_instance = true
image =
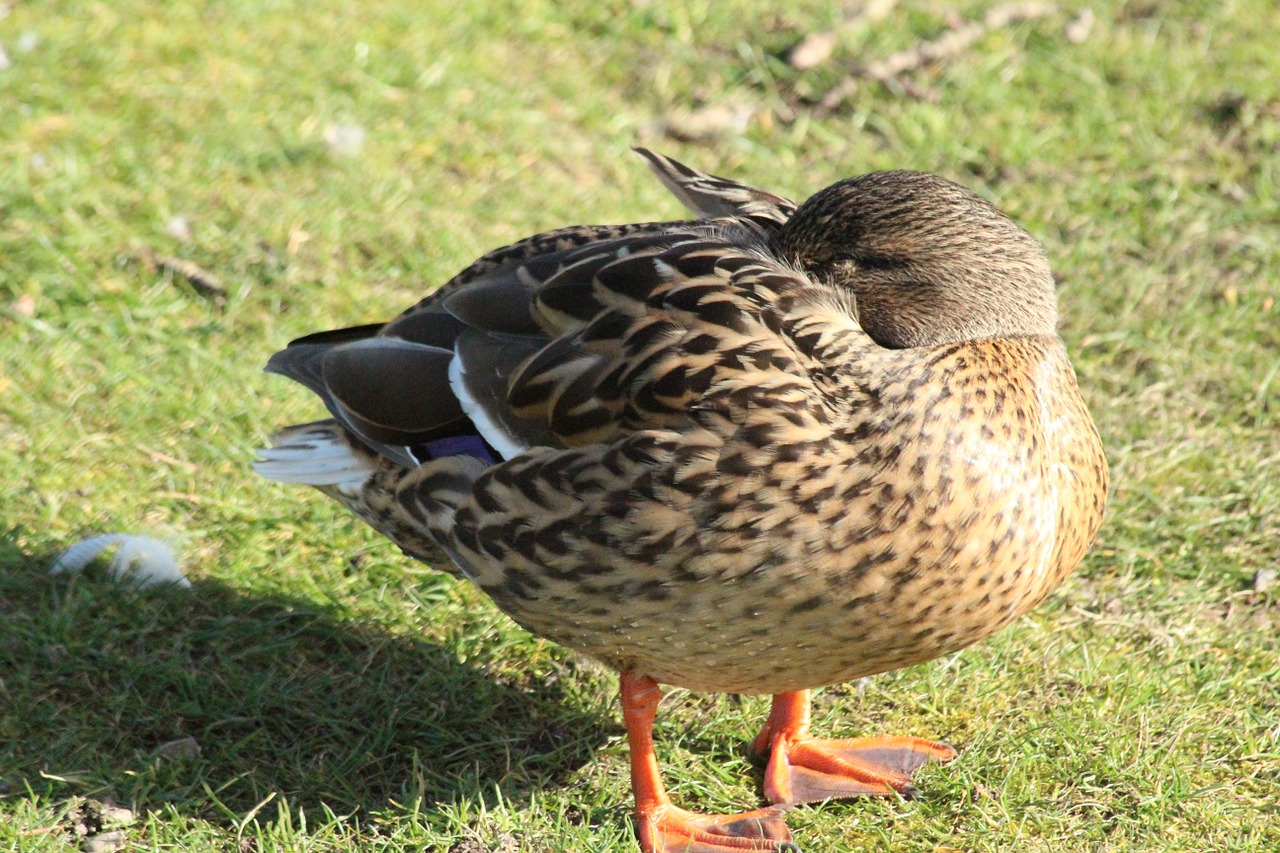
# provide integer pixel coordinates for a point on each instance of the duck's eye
(844, 259)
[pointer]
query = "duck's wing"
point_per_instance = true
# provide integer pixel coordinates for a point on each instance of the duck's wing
(662, 327)
(712, 197)
(383, 381)
(661, 331)
(389, 384)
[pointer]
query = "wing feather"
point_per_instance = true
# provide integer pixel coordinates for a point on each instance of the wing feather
(712, 197)
(591, 333)
(652, 338)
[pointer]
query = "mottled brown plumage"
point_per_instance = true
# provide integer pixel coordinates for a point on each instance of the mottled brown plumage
(760, 452)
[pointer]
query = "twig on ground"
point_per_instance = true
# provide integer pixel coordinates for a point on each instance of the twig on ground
(891, 69)
(961, 38)
(201, 280)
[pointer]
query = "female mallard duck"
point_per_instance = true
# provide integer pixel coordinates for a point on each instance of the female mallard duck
(770, 449)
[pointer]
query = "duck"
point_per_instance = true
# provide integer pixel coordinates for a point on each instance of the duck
(761, 450)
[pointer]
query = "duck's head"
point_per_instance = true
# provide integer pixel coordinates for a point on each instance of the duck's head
(929, 261)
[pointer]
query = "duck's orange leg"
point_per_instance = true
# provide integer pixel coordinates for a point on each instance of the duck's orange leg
(664, 828)
(804, 769)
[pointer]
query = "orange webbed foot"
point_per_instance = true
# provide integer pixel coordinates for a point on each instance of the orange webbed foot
(803, 769)
(811, 769)
(667, 829)
(664, 828)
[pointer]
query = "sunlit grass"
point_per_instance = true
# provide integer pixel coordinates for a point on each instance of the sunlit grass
(343, 698)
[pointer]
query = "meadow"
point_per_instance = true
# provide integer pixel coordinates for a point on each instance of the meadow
(184, 187)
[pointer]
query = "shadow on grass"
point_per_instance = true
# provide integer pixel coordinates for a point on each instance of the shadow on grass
(283, 697)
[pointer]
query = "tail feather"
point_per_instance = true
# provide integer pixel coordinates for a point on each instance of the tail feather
(316, 454)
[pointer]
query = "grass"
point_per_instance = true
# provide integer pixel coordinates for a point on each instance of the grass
(343, 698)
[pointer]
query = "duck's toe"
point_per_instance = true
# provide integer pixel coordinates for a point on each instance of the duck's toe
(808, 770)
(667, 829)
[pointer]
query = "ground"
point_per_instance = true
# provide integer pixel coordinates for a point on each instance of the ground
(186, 186)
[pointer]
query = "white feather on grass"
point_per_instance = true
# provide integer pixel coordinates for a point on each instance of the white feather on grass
(141, 560)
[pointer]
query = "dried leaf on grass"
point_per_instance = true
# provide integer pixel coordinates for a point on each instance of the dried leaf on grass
(816, 48)
(709, 122)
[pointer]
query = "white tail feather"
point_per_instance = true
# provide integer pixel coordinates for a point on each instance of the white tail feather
(314, 455)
